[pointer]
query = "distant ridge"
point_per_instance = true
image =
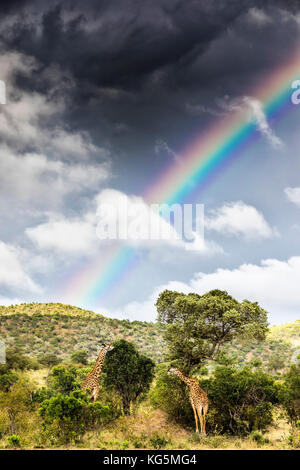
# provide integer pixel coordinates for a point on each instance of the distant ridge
(39, 328)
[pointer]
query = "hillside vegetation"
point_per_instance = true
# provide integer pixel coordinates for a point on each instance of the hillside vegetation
(62, 329)
(253, 391)
(39, 328)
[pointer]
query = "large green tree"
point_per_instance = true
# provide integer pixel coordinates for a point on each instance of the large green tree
(291, 393)
(128, 372)
(198, 325)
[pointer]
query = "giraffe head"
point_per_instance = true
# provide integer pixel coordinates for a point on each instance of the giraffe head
(173, 370)
(107, 347)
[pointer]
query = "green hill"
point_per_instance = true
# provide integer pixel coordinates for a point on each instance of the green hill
(39, 328)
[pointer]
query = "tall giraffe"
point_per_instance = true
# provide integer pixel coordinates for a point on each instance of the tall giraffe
(92, 379)
(198, 397)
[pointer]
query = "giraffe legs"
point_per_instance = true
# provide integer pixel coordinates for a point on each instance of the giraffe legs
(199, 411)
(202, 410)
(95, 394)
(204, 417)
(196, 419)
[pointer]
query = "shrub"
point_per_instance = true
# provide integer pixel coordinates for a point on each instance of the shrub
(258, 438)
(240, 400)
(290, 396)
(17, 403)
(171, 395)
(124, 445)
(14, 440)
(158, 441)
(15, 359)
(7, 380)
(80, 357)
(38, 396)
(294, 438)
(68, 417)
(64, 379)
(139, 441)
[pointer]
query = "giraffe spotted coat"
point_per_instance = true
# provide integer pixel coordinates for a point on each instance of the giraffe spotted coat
(92, 379)
(198, 398)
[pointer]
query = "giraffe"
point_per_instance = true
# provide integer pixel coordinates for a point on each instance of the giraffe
(92, 379)
(198, 397)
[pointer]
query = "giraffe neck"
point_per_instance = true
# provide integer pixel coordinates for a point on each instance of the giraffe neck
(99, 363)
(183, 377)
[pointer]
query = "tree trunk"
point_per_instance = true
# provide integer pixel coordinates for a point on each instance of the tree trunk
(126, 406)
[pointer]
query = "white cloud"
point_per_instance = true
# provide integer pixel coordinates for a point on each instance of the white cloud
(258, 16)
(254, 111)
(6, 301)
(145, 310)
(34, 177)
(70, 236)
(59, 160)
(239, 219)
(143, 225)
(12, 273)
(162, 146)
(293, 195)
(274, 284)
(146, 229)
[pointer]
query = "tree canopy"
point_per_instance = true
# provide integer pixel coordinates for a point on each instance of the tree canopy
(197, 326)
(80, 357)
(128, 372)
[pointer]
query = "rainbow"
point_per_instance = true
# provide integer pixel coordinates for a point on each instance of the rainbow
(182, 180)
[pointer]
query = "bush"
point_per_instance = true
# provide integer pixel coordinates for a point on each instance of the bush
(14, 440)
(294, 438)
(290, 396)
(80, 357)
(64, 379)
(17, 403)
(171, 395)
(258, 438)
(240, 400)
(38, 396)
(66, 418)
(158, 441)
(139, 441)
(7, 380)
(15, 359)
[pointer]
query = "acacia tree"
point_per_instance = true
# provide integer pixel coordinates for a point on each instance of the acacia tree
(197, 326)
(80, 357)
(49, 360)
(128, 372)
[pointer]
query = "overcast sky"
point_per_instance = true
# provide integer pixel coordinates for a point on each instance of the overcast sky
(101, 97)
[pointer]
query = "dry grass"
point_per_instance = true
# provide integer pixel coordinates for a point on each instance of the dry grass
(150, 428)
(37, 377)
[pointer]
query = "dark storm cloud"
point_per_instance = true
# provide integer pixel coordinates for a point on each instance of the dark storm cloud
(143, 71)
(119, 43)
(125, 44)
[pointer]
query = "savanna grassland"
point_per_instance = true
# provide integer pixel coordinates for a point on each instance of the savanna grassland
(28, 389)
